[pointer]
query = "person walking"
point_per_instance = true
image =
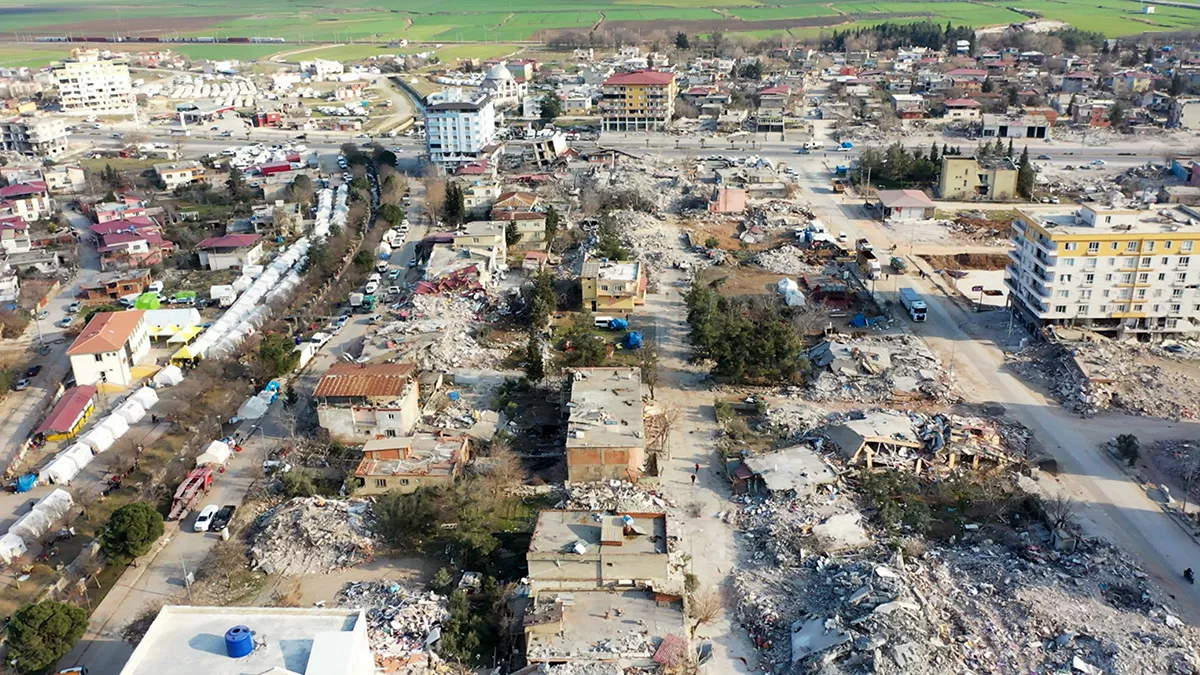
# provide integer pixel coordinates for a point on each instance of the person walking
(693, 480)
(697, 467)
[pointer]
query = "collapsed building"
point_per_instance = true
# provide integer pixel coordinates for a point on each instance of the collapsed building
(605, 425)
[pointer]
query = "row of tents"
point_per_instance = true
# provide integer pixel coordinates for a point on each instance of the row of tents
(32, 526)
(66, 464)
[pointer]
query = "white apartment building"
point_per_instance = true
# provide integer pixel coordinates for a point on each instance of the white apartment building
(35, 136)
(321, 68)
(1113, 270)
(459, 128)
(88, 84)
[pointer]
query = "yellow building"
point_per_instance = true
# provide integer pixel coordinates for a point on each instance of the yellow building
(1115, 271)
(613, 286)
(643, 100)
(972, 179)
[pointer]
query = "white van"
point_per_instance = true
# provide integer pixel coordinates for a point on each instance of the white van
(602, 321)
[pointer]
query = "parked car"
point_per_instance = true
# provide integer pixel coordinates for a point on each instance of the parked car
(33, 371)
(1098, 162)
(393, 275)
(319, 339)
(65, 322)
(77, 670)
(204, 518)
(74, 307)
(21, 384)
(223, 518)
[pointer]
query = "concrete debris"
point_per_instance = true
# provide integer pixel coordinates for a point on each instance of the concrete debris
(786, 260)
(1090, 377)
(612, 495)
(313, 536)
(403, 623)
(976, 606)
(1179, 460)
(877, 370)
(439, 334)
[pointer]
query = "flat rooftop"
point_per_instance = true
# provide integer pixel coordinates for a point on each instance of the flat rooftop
(606, 408)
(611, 271)
(1167, 219)
(421, 455)
(602, 626)
(192, 639)
(559, 531)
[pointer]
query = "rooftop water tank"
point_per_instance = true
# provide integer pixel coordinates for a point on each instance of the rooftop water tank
(239, 642)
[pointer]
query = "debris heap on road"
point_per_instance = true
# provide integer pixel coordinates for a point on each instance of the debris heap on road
(439, 334)
(312, 536)
(402, 623)
(613, 495)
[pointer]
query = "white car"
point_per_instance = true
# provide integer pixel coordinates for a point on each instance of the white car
(204, 518)
(319, 339)
(371, 287)
(394, 275)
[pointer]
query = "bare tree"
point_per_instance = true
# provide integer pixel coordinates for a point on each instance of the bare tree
(704, 607)
(435, 198)
(1060, 511)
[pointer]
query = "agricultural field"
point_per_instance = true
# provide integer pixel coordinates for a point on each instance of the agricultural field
(536, 20)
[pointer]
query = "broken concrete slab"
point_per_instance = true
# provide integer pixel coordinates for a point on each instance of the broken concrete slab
(815, 636)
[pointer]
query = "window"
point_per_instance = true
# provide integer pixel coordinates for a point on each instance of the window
(1185, 246)
(1103, 309)
(1090, 262)
(1131, 261)
(98, 357)
(1167, 244)
(1149, 246)
(1177, 293)
(1116, 245)
(1141, 294)
(1158, 292)
(1126, 293)
(1089, 278)
(1086, 294)
(1063, 294)
(1126, 278)
(1064, 277)
(1070, 246)
(390, 433)
(381, 482)
(404, 481)
(1175, 309)
(1139, 308)
(1093, 247)
(1061, 309)
(1184, 261)
(1106, 293)
(1162, 276)
(1068, 262)
(1146, 262)
(1181, 277)
(1112, 262)
(1143, 277)
(1164, 260)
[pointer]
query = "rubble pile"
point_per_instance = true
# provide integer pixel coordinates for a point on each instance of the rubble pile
(979, 605)
(653, 241)
(786, 259)
(614, 495)
(976, 226)
(1089, 377)
(790, 421)
(438, 334)
(312, 536)
(402, 622)
(877, 370)
(1179, 460)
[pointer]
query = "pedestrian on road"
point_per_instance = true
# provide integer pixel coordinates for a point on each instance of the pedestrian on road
(693, 480)
(697, 467)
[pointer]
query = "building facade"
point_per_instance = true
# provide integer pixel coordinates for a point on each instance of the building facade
(37, 137)
(459, 129)
(409, 463)
(88, 84)
(643, 100)
(1115, 271)
(970, 179)
(613, 286)
(109, 347)
(358, 402)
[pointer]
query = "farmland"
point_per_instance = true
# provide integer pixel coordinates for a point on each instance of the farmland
(537, 20)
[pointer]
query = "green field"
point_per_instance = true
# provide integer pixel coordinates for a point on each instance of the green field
(528, 20)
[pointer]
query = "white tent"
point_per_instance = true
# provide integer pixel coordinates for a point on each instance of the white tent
(32, 525)
(60, 469)
(56, 504)
(11, 547)
(168, 377)
(216, 453)
(146, 397)
(130, 411)
(786, 285)
(115, 424)
(794, 298)
(99, 438)
(253, 408)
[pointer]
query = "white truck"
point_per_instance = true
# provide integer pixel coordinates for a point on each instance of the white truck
(913, 303)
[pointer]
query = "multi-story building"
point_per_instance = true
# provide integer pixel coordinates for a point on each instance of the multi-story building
(605, 430)
(88, 84)
(29, 201)
(459, 129)
(613, 286)
(1184, 113)
(109, 348)
(1109, 269)
(174, 174)
(971, 178)
(643, 100)
(38, 137)
(357, 402)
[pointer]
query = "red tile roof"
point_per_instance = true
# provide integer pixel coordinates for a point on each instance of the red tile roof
(106, 332)
(23, 189)
(68, 409)
(962, 103)
(133, 224)
(975, 72)
(644, 77)
(230, 241)
(14, 223)
(357, 379)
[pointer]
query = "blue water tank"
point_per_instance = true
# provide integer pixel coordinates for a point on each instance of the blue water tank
(239, 642)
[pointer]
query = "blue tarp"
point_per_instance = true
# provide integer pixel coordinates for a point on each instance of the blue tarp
(25, 483)
(633, 340)
(618, 324)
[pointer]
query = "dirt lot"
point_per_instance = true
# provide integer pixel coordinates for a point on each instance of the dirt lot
(968, 261)
(727, 234)
(739, 25)
(742, 280)
(308, 590)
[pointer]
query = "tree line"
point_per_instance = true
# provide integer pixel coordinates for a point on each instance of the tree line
(894, 35)
(748, 340)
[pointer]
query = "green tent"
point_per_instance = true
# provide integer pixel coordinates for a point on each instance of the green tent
(147, 301)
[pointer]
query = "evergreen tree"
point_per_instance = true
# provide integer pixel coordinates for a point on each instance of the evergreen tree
(535, 366)
(1009, 152)
(454, 209)
(933, 153)
(1025, 175)
(682, 41)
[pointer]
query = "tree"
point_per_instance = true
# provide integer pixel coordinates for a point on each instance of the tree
(1025, 175)
(278, 353)
(454, 209)
(1118, 114)
(1128, 448)
(682, 41)
(989, 85)
(41, 634)
(406, 520)
(933, 153)
(552, 224)
(391, 213)
(585, 348)
(551, 107)
(1179, 84)
(751, 71)
(512, 235)
(442, 582)
(1013, 96)
(363, 261)
(236, 183)
(435, 197)
(1150, 55)
(1009, 153)
(535, 366)
(298, 483)
(131, 531)
(609, 245)
(544, 302)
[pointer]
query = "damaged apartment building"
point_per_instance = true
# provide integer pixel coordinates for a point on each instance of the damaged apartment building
(358, 401)
(605, 429)
(598, 591)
